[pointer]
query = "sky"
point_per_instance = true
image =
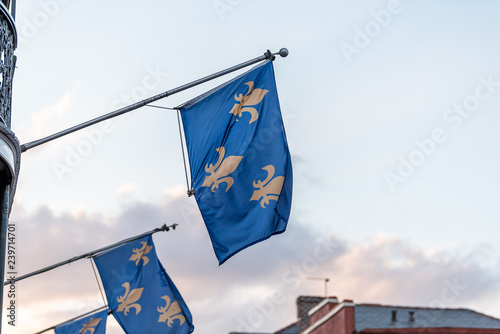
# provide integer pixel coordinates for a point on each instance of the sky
(389, 109)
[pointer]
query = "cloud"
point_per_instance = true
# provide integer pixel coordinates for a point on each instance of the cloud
(254, 290)
(42, 123)
(391, 270)
(178, 192)
(125, 189)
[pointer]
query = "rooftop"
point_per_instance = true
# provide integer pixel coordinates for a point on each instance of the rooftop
(386, 316)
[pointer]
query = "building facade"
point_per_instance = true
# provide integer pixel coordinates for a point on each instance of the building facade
(319, 315)
(10, 152)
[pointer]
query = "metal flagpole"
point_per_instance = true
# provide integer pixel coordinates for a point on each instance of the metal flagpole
(268, 55)
(73, 319)
(83, 256)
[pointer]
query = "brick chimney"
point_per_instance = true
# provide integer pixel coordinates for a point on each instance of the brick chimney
(304, 304)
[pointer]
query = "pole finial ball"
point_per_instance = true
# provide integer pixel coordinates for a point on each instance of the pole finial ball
(284, 52)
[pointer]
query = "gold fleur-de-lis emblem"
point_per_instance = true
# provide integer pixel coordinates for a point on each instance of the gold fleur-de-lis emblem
(140, 253)
(269, 189)
(251, 98)
(90, 326)
(219, 173)
(128, 300)
(170, 312)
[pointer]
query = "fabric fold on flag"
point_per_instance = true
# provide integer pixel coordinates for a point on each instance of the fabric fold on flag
(93, 324)
(141, 295)
(239, 159)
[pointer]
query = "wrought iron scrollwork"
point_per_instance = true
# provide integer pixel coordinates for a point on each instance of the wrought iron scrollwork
(7, 65)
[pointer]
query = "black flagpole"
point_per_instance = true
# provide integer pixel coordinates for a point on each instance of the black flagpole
(90, 254)
(268, 55)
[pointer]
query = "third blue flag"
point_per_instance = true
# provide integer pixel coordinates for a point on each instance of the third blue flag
(94, 324)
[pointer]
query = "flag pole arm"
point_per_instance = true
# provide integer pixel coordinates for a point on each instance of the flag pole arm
(73, 319)
(268, 55)
(90, 254)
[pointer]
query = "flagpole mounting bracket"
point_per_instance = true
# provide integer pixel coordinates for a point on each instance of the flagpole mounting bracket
(167, 228)
(269, 55)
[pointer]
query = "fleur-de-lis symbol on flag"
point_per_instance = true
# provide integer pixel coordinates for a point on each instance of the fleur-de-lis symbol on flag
(251, 98)
(90, 326)
(128, 300)
(170, 312)
(140, 253)
(269, 189)
(219, 173)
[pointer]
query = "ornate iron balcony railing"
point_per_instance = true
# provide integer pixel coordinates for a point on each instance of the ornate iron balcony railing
(8, 43)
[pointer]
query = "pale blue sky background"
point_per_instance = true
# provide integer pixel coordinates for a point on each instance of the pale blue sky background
(348, 121)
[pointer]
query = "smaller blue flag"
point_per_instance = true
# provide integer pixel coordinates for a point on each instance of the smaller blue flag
(92, 324)
(141, 295)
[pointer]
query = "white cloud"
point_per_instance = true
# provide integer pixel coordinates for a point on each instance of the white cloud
(47, 120)
(178, 191)
(126, 189)
(276, 269)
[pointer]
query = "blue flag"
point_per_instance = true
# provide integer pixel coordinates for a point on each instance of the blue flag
(92, 324)
(240, 163)
(141, 295)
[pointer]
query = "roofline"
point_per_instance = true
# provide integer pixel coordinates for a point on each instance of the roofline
(430, 308)
(325, 301)
(427, 330)
(286, 327)
(485, 315)
(419, 307)
(328, 316)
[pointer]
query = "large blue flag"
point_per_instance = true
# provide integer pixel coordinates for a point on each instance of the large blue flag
(141, 295)
(92, 324)
(240, 163)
